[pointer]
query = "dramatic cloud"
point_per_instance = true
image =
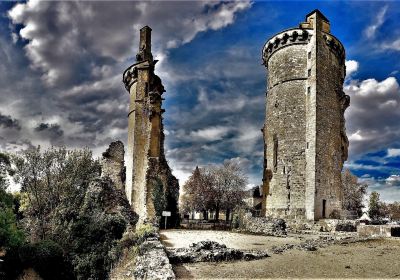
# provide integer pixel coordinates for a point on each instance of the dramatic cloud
(351, 67)
(81, 36)
(373, 115)
(61, 65)
(79, 51)
(8, 122)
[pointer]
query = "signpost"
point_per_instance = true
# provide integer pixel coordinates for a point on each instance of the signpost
(166, 214)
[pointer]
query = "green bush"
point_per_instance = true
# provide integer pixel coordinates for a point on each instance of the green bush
(45, 257)
(10, 235)
(159, 200)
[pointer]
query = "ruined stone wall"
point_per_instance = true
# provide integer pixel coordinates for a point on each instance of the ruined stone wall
(146, 163)
(304, 137)
(113, 164)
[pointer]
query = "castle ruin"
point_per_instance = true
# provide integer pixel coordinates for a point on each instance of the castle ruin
(305, 142)
(147, 171)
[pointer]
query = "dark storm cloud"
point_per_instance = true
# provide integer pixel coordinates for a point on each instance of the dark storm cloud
(66, 70)
(51, 129)
(79, 51)
(8, 122)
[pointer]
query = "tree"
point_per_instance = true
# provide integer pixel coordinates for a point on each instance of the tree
(215, 188)
(5, 170)
(353, 193)
(51, 178)
(377, 209)
(10, 235)
(228, 185)
(197, 192)
(394, 210)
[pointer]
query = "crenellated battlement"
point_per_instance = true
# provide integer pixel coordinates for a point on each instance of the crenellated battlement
(335, 46)
(288, 37)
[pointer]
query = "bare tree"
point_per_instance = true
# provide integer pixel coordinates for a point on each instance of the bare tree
(228, 184)
(217, 187)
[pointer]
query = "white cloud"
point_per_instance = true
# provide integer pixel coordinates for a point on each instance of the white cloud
(393, 180)
(372, 118)
(373, 87)
(356, 136)
(395, 45)
(351, 67)
(210, 133)
(378, 21)
(75, 33)
(393, 152)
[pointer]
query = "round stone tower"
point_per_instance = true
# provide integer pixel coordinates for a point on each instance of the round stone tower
(305, 141)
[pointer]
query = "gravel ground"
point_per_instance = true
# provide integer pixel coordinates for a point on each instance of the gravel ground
(367, 259)
(183, 238)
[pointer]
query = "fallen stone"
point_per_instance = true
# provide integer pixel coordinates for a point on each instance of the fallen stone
(211, 251)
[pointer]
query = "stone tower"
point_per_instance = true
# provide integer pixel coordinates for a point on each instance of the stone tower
(146, 166)
(305, 141)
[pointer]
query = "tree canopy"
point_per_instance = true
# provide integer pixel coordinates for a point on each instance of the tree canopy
(215, 188)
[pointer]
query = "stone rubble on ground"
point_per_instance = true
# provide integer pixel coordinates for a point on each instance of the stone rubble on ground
(263, 225)
(211, 251)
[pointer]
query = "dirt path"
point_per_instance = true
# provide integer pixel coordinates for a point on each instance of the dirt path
(370, 259)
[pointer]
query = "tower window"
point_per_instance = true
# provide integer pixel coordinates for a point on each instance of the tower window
(309, 72)
(309, 90)
(275, 159)
(309, 55)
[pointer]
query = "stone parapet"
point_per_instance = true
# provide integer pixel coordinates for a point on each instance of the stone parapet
(378, 230)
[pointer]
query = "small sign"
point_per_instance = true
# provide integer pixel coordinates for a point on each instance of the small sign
(166, 213)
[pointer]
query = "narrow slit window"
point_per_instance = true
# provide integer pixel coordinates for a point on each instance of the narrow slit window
(309, 72)
(275, 155)
(309, 90)
(309, 55)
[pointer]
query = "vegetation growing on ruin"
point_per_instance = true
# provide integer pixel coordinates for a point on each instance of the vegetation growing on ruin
(158, 196)
(73, 220)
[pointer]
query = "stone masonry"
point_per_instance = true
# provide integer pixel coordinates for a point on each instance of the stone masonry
(113, 164)
(305, 140)
(146, 165)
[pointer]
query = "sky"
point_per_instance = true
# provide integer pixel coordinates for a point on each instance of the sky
(61, 66)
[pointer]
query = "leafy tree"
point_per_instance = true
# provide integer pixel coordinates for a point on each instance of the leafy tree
(394, 210)
(5, 170)
(377, 209)
(49, 179)
(10, 235)
(353, 193)
(198, 192)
